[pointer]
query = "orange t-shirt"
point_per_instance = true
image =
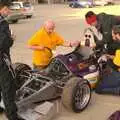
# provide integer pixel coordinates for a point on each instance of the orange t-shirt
(42, 38)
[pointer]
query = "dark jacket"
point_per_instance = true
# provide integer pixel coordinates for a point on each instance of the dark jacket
(6, 40)
(105, 24)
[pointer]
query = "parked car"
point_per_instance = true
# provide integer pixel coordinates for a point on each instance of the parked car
(27, 8)
(103, 2)
(81, 4)
(16, 14)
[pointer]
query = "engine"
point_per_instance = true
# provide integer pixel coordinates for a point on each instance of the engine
(33, 84)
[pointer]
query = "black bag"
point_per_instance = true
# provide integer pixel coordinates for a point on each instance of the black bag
(115, 116)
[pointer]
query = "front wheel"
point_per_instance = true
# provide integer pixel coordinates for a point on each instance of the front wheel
(76, 94)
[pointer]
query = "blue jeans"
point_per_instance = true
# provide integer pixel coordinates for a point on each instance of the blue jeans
(110, 84)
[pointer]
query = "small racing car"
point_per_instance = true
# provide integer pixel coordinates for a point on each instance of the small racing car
(70, 76)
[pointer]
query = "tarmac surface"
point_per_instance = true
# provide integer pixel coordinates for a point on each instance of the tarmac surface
(71, 28)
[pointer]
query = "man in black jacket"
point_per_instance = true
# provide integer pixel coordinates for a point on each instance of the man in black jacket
(104, 23)
(7, 85)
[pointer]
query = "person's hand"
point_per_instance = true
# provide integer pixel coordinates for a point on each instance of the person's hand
(93, 46)
(109, 56)
(71, 43)
(74, 43)
(102, 58)
(36, 47)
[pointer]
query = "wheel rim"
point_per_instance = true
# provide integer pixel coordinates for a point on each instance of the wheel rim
(82, 96)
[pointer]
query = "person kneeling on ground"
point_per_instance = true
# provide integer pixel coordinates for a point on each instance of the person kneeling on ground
(44, 42)
(110, 84)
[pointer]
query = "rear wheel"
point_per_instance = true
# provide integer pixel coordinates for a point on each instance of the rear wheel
(21, 73)
(76, 94)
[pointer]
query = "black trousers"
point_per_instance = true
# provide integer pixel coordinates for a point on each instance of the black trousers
(8, 90)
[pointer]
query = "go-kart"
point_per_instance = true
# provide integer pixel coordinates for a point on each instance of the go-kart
(70, 76)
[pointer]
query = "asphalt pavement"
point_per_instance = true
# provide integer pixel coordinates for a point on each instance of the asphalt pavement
(70, 28)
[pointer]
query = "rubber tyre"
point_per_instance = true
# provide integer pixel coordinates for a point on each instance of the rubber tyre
(20, 71)
(70, 92)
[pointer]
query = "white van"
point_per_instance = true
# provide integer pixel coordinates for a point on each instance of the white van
(27, 8)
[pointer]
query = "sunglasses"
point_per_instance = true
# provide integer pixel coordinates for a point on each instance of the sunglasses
(88, 36)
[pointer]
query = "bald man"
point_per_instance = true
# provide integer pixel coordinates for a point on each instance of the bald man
(43, 42)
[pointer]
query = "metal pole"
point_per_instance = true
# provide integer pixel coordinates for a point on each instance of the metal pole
(49, 2)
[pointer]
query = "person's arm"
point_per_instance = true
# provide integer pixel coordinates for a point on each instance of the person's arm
(34, 42)
(61, 41)
(71, 43)
(110, 56)
(5, 36)
(36, 47)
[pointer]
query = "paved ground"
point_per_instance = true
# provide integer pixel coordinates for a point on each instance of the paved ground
(71, 28)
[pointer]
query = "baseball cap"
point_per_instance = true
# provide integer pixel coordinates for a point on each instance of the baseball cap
(91, 19)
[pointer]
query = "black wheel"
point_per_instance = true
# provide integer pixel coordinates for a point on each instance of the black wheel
(71, 5)
(21, 73)
(76, 94)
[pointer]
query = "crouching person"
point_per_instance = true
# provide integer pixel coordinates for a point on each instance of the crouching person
(7, 86)
(44, 42)
(110, 84)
